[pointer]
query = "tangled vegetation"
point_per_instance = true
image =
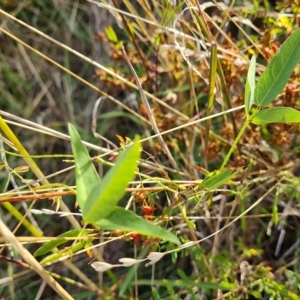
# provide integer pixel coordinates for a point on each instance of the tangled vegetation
(149, 149)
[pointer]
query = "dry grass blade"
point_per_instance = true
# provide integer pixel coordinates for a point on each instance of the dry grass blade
(45, 130)
(149, 113)
(88, 60)
(73, 74)
(29, 259)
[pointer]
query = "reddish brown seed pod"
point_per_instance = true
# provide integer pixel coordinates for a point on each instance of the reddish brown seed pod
(266, 52)
(141, 196)
(290, 89)
(148, 210)
(136, 238)
(143, 110)
(274, 48)
(135, 235)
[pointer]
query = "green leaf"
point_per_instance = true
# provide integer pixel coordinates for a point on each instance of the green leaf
(107, 194)
(53, 244)
(68, 251)
(155, 294)
(281, 289)
(212, 76)
(189, 223)
(183, 277)
(250, 85)
(276, 115)
(278, 72)
(111, 35)
(86, 176)
(121, 219)
(256, 294)
(215, 180)
(169, 287)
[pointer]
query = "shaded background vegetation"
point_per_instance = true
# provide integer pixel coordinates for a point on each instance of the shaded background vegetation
(34, 89)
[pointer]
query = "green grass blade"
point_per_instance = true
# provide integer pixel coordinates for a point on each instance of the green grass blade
(121, 219)
(105, 196)
(278, 72)
(18, 216)
(213, 181)
(53, 244)
(126, 283)
(212, 77)
(155, 294)
(182, 284)
(276, 115)
(211, 97)
(86, 174)
(68, 251)
(170, 289)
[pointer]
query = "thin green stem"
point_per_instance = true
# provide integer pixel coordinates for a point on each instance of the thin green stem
(236, 141)
(212, 85)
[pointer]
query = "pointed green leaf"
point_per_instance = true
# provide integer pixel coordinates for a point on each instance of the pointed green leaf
(212, 76)
(250, 85)
(49, 246)
(275, 286)
(121, 219)
(86, 174)
(111, 35)
(104, 197)
(189, 223)
(169, 287)
(155, 294)
(278, 72)
(68, 251)
(213, 181)
(276, 115)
